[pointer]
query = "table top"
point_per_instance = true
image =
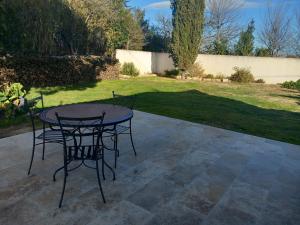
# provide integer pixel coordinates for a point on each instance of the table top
(114, 114)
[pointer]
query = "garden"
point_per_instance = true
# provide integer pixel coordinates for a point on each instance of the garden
(150, 144)
(73, 61)
(268, 111)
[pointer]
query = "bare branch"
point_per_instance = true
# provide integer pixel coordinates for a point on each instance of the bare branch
(222, 19)
(275, 34)
(297, 34)
(164, 25)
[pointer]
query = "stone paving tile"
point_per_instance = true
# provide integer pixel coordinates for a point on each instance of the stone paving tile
(176, 214)
(184, 174)
(245, 197)
(20, 189)
(230, 216)
(12, 175)
(122, 214)
(277, 214)
(204, 193)
(261, 170)
(11, 157)
(197, 157)
(284, 196)
(20, 212)
(155, 194)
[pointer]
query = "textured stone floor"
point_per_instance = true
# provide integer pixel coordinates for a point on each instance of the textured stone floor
(184, 174)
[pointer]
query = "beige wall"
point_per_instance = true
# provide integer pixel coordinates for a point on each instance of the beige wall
(272, 70)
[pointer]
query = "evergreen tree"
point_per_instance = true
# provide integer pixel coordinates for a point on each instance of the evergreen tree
(219, 47)
(135, 35)
(263, 52)
(245, 45)
(188, 21)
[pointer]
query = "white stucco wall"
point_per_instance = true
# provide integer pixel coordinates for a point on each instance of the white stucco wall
(141, 60)
(272, 70)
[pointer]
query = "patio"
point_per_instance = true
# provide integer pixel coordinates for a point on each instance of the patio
(185, 173)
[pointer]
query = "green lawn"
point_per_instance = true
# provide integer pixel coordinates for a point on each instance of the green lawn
(263, 110)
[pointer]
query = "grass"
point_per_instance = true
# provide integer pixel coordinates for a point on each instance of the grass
(263, 110)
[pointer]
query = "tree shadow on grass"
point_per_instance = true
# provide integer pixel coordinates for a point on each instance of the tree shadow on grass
(199, 107)
(293, 97)
(77, 87)
(221, 112)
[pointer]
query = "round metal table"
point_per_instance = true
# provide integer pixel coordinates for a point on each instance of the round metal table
(114, 114)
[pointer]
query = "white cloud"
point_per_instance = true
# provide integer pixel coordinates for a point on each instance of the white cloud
(166, 4)
(159, 5)
(250, 4)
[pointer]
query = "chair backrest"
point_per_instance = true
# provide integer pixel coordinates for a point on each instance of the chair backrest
(32, 103)
(124, 100)
(77, 128)
(31, 106)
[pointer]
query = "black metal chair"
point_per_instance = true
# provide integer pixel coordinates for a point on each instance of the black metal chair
(81, 150)
(50, 135)
(119, 129)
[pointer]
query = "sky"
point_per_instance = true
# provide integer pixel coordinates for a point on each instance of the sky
(252, 9)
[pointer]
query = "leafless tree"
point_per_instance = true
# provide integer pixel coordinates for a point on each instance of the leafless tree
(275, 34)
(297, 34)
(164, 29)
(222, 20)
(164, 25)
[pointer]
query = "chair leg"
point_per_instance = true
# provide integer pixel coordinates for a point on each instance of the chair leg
(56, 171)
(132, 139)
(63, 190)
(43, 156)
(116, 149)
(99, 181)
(32, 156)
(103, 162)
(103, 174)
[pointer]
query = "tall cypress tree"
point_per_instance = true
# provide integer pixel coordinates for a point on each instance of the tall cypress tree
(188, 21)
(245, 45)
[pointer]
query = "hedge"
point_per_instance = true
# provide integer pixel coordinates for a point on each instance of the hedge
(56, 71)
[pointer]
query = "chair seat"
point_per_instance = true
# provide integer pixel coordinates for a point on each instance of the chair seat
(120, 129)
(51, 135)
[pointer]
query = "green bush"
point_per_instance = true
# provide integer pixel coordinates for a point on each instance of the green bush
(109, 72)
(209, 76)
(130, 70)
(242, 75)
(291, 85)
(260, 81)
(172, 73)
(220, 76)
(52, 71)
(12, 99)
(195, 70)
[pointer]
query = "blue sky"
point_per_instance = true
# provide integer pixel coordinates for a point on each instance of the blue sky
(252, 9)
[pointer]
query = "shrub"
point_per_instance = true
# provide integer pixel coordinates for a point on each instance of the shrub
(51, 71)
(110, 72)
(209, 76)
(221, 77)
(291, 85)
(260, 81)
(12, 99)
(195, 70)
(130, 70)
(12, 93)
(242, 75)
(172, 73)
